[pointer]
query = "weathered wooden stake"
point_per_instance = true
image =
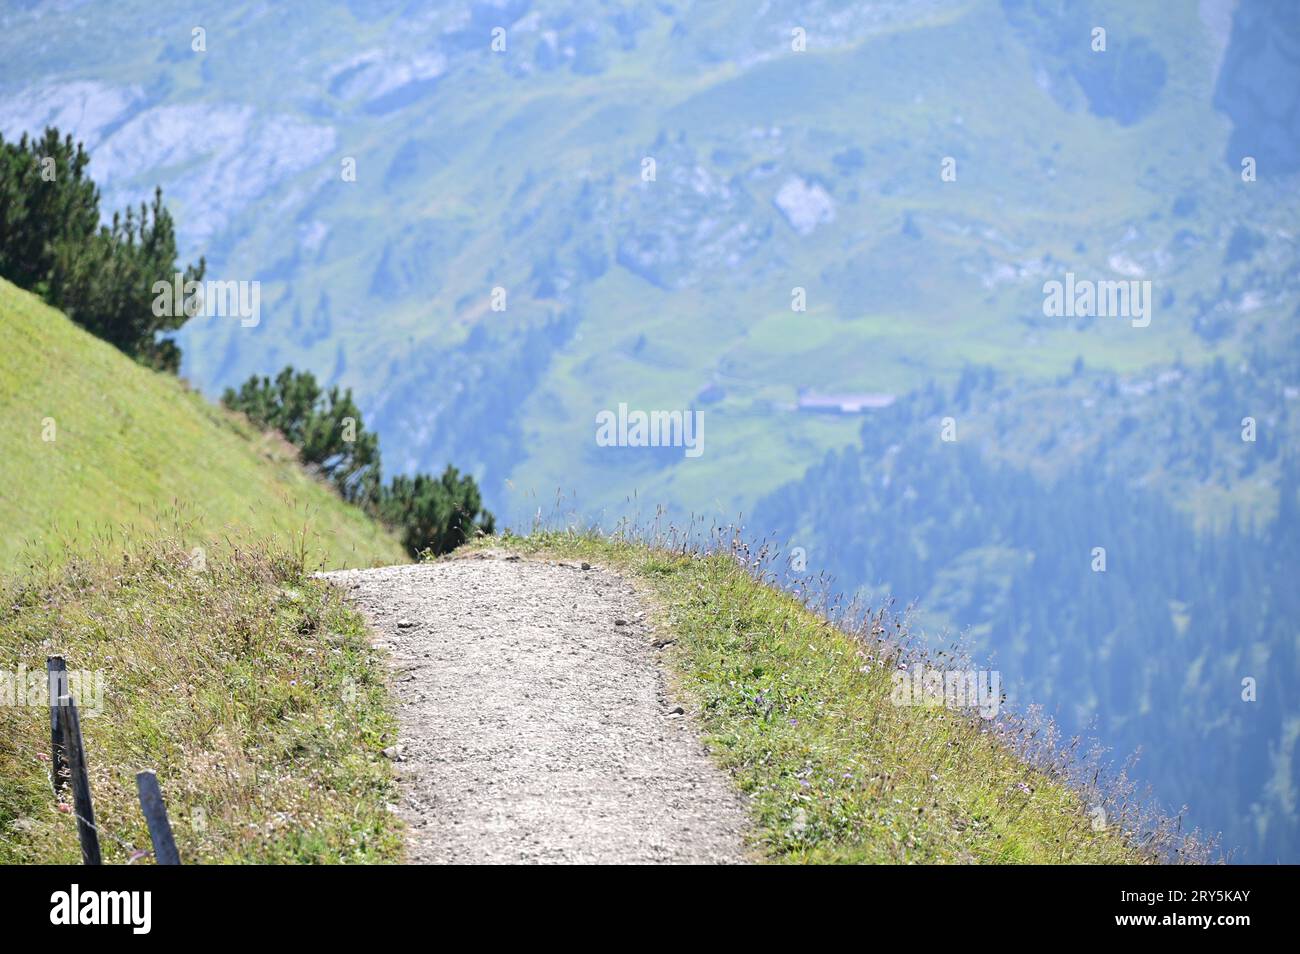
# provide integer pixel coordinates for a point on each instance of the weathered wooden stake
(70, 722)
(57, 671)
(155, 815)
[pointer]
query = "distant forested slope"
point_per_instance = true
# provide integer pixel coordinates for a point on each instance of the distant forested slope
(1151, 653)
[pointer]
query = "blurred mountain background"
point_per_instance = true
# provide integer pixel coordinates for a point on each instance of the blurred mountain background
(775, 170)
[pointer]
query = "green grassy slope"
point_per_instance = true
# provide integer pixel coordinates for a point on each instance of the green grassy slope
(250, 688)
(132, 448)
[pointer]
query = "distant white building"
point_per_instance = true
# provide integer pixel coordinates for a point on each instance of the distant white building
(810, 400)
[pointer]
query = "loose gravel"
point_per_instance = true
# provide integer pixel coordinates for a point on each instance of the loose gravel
(536, 722)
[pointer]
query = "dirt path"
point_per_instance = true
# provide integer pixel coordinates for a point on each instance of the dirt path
(534, 726)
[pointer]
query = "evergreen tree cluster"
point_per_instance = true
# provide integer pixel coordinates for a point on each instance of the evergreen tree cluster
(433, 514)
(100, 276)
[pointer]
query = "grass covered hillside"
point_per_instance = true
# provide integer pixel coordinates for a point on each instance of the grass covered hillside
(95, 443)
(249, 686)
(774, 169)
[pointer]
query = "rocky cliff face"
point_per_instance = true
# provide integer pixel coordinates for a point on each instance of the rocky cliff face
(1259, 86)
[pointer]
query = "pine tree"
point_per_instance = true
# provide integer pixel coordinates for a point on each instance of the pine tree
(102, 277)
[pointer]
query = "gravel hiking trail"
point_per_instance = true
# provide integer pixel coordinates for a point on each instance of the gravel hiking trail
(535, 720)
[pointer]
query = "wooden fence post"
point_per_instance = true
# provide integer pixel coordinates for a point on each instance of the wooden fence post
(155, 815)
(70, 722)
(57, 672)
